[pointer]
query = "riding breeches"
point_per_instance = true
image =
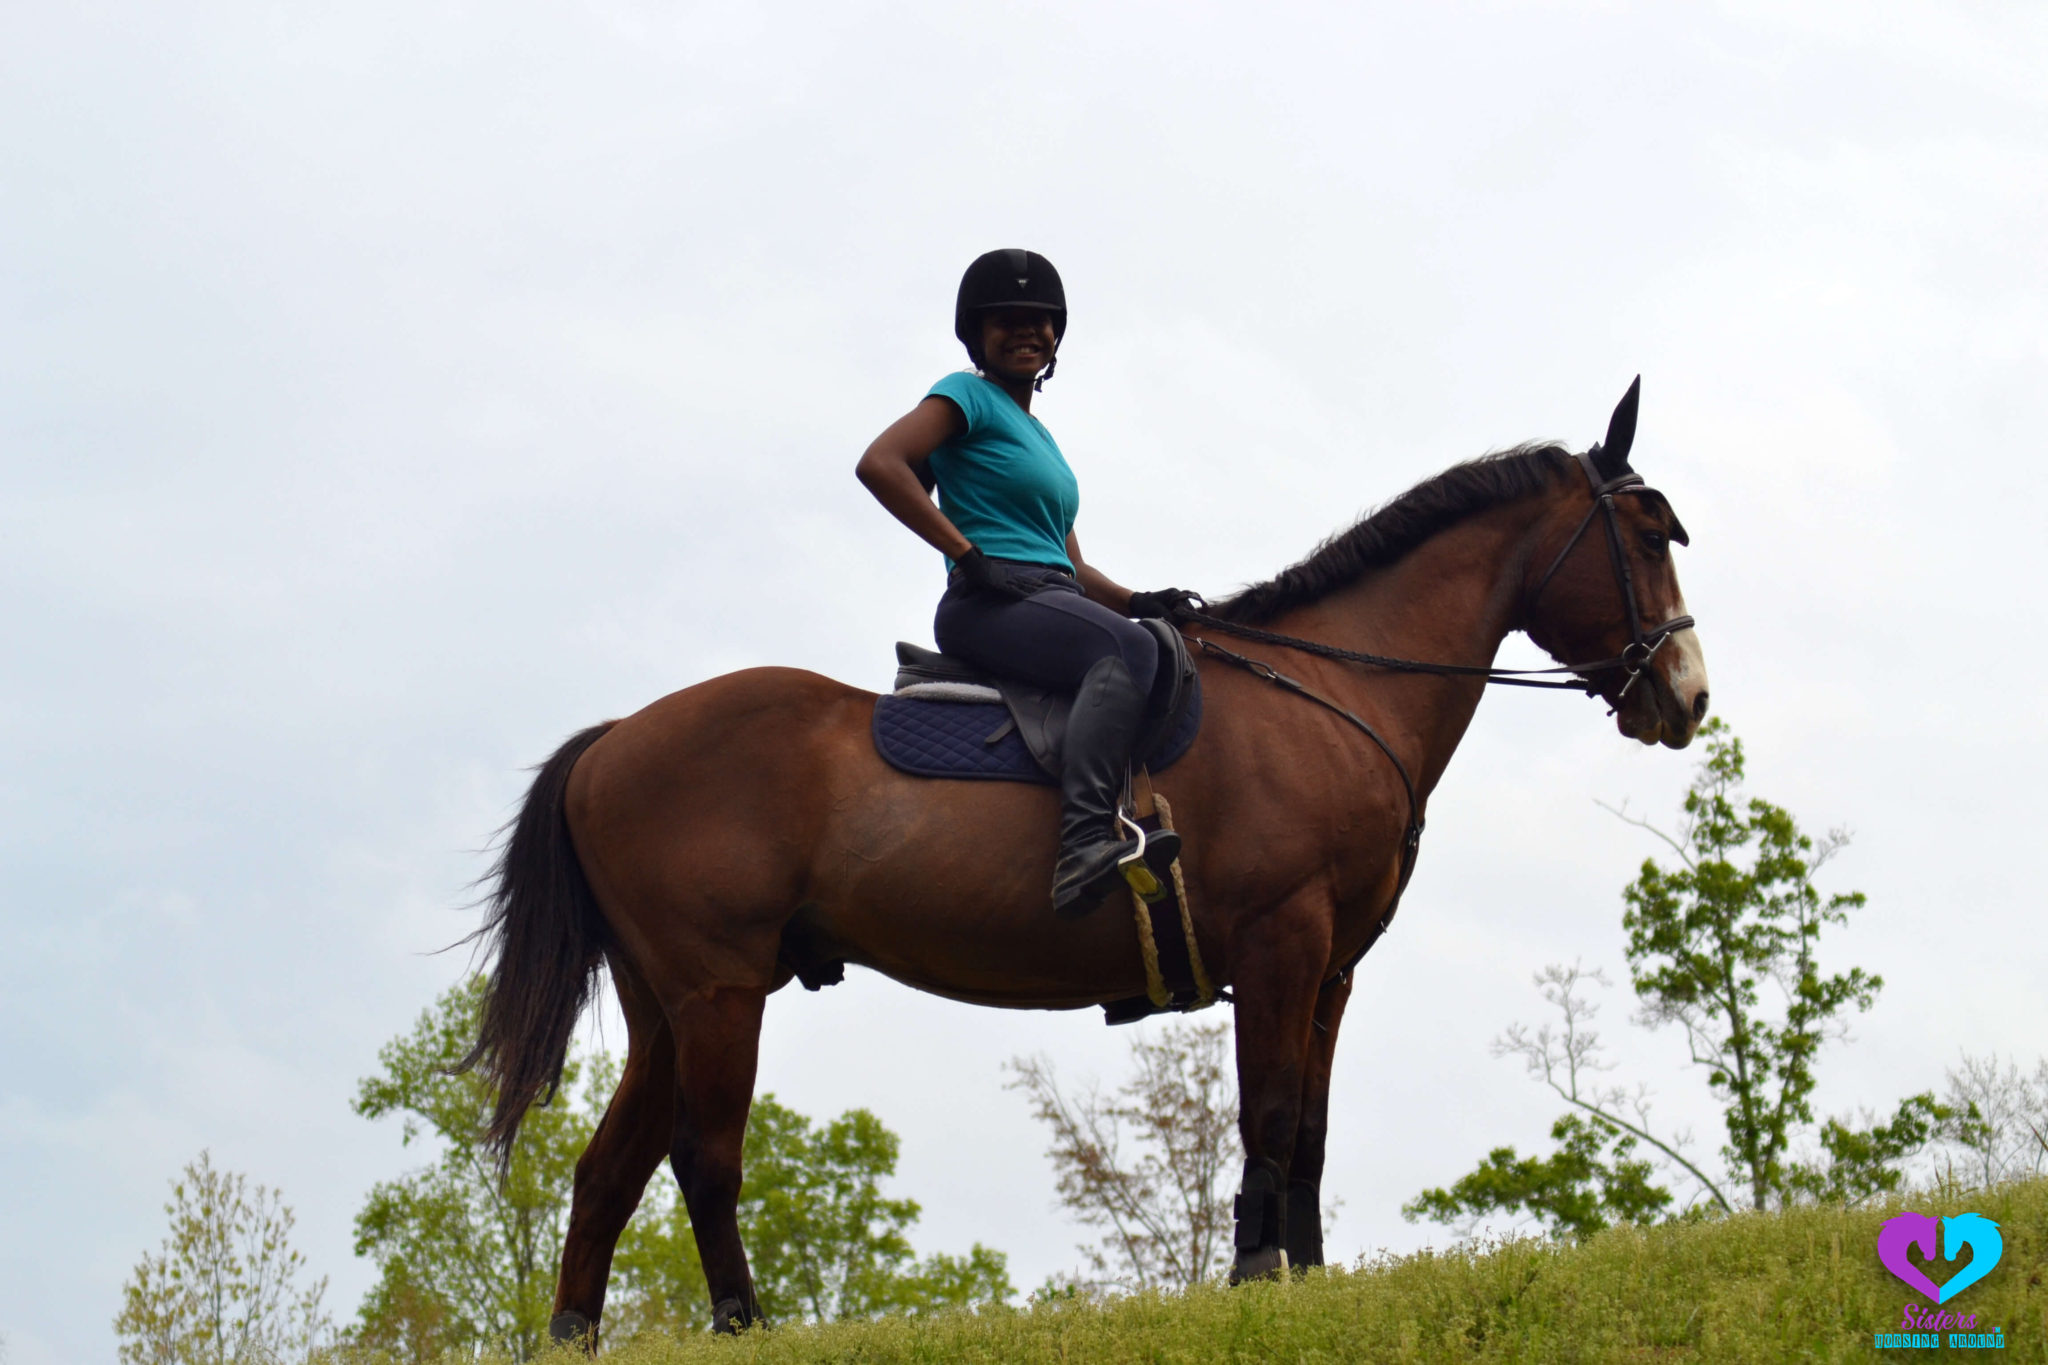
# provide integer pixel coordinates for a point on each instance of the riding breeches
(1050, 638)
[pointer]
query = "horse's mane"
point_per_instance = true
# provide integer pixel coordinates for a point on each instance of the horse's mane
(1386, 534)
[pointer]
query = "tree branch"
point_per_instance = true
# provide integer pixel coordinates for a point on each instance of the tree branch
(1545, 1054)
(1621, 813)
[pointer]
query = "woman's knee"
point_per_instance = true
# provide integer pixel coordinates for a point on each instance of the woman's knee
(1090, 632)
(1140, 653)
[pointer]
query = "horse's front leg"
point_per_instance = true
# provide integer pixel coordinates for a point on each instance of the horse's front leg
(1305, 1171)
(1275, 970)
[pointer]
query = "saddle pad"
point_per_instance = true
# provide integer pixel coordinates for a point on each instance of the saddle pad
(949, 739)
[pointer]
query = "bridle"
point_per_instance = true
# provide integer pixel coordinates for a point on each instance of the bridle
(1643, 644)
(1634, 658)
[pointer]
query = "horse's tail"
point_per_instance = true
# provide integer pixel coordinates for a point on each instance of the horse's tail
(546, 940)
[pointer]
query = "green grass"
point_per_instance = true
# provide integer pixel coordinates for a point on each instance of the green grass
(1798, 1286)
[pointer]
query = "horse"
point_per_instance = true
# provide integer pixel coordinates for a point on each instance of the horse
(743, 831)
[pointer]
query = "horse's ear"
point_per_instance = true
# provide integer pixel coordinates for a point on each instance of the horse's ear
(1612, 455)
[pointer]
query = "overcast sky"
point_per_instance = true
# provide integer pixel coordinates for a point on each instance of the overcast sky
(388, 390)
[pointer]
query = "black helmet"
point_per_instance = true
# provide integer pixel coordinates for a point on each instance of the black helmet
(1007, 279)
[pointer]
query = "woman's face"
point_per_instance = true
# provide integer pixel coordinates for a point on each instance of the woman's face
(1016, 343)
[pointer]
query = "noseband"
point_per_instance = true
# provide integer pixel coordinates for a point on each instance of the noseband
(1643, 645)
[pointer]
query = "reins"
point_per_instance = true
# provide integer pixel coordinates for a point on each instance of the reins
(1635, 658)
(1503, 677)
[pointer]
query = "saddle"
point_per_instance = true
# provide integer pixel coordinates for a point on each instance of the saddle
(949, 718)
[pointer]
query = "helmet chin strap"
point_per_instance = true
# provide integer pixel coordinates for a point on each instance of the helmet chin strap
(1038, 384)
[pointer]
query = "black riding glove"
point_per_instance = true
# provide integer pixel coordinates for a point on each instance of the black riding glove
(1164, 603)
(977, 570)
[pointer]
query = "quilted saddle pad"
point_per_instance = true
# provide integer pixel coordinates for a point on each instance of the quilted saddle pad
(954, 739)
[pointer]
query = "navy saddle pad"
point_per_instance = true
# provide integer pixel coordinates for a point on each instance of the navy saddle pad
(979, 740)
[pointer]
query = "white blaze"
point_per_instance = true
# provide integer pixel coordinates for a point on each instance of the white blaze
(1685, 667)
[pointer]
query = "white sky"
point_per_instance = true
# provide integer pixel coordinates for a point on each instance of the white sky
(387, 390)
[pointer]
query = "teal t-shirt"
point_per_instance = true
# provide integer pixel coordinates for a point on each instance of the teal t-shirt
(1003, 481)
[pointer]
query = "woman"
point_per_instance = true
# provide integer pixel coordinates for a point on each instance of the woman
(1020, 601)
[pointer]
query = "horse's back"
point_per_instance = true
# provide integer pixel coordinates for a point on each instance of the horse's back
(740, 739)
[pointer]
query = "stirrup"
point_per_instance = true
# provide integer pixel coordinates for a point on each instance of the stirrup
(1137, 872)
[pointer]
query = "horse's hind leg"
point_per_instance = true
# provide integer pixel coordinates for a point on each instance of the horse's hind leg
(1311, 1134)
(612, 1173)
(718, 1041)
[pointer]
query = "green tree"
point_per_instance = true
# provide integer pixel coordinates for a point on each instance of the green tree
(1725, 945)
(1861, 1162)
(1575, 1192)
(1579, 1189)
(822, 1240)
(1738, 914)
(224, 1289)
(467, 1260)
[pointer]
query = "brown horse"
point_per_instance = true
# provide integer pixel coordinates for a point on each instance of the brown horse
(738, 832)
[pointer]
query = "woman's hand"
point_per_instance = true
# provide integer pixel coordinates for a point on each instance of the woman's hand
(1164, 603)
(979, 571)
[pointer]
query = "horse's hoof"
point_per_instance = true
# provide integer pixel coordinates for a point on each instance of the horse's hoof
(573, 1329)
(1261, 1263)
(1304, 1226)
(730, 1317)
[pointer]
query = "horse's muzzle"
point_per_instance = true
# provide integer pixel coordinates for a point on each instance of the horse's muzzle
(1669, 701)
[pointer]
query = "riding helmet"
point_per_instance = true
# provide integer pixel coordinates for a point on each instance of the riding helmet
(1010, 278)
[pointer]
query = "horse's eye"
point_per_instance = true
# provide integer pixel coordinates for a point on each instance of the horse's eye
(1654, 542)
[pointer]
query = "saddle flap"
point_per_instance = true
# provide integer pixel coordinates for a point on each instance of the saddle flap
(1171, 685)
(1041, 716)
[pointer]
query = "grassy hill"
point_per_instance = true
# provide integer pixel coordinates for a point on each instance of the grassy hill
(1798, 1286)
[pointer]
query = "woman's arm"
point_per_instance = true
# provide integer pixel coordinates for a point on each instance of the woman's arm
(1095, 584)
(1100, 587)
(894, 465)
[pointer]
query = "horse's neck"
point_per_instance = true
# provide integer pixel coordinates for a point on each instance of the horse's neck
(1451, 600)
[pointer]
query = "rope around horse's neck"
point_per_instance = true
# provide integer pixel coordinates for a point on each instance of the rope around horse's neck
(1504, 677)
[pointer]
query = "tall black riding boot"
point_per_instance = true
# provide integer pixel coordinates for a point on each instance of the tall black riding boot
(1102, 727)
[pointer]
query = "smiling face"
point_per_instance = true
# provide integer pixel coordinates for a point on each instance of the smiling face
(1016, 343)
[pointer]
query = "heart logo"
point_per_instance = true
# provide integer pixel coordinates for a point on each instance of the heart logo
(1909, 1229)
